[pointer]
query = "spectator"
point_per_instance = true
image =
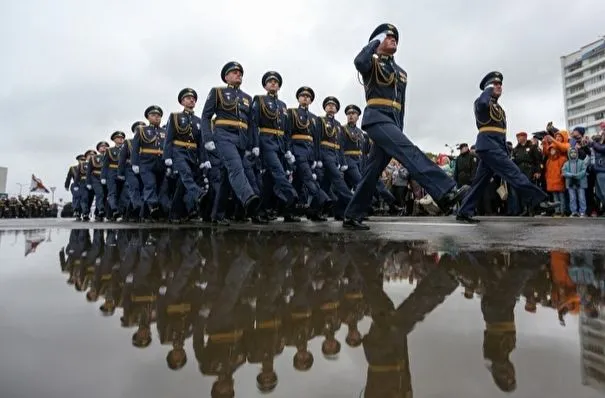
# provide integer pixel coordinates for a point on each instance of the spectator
(529, 159)
(465, 166)
(574, 172)
(556, 151)
(598, 163)
(400, 185)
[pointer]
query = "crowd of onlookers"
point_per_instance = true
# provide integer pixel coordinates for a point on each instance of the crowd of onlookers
(570, 167)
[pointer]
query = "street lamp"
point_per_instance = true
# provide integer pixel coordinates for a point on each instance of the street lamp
(20, 188)
(52, 189)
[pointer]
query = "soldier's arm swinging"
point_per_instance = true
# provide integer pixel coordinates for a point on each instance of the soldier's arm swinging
(253, 128)
(207, 113)
(105, 167)
(70, 173)
(122, 160)
(136, 146)
(168, 142)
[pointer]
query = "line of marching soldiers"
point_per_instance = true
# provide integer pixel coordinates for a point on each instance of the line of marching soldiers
(267, 292)
(244, 158)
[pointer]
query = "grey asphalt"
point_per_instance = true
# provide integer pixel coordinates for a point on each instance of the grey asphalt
(493, 232)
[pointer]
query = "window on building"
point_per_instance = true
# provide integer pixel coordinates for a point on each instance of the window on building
(575, 89)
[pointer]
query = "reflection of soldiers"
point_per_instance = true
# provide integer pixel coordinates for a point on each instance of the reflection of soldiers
(497, 305)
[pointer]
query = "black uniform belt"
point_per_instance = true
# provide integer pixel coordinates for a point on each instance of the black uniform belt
(302, 137)
(230, 123)
(384, 102)
(489, 129)
(266, 130)
(151, 151)
(329, 144)
(353, 153)
(185, 144)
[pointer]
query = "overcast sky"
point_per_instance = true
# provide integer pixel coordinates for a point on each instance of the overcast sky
(73, 73)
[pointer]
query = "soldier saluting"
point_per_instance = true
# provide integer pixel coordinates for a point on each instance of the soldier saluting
(385, 83)
(493, 153)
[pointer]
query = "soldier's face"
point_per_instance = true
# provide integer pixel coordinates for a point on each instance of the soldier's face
(188, 102)
(155, 119)
(388, 46)
(330, 109)
(497, 89)
(272, 86)
(119, 141)
(102, 149)
(304, 99)
(234, 77)
(352, 117)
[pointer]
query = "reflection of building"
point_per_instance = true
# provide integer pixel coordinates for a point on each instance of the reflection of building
(592, 343)
(3, 174)
(584, 86)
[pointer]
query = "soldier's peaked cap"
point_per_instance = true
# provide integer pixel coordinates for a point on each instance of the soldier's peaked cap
(492, 77)
(153, 109)
(271, 75)
(135, 125)
(305, 90)
(331, 100)
(231, 66)
(117, 134)
(101, 143)
(80, 157)
(186, 92)
(352, 107)
(387, 28)
(89, 152)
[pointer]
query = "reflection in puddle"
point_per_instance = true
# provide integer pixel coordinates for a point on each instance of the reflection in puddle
(249, 298)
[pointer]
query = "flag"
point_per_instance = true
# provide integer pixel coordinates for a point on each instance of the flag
(33, 240)
(37, 185)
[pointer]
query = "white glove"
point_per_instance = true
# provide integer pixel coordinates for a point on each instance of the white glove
(210, 146)
(168, 171)
(247, 153)
(88, 186)
(206, 165)
(168, 162)
(121, 178)
(255, 151)
(319, 164)
(380, 37)
(76, 189)
(344, 168)
(103, 181)
(289, 157)
(205, 180)
(314, 176)
(288, 172)
(135, 169)
(314, 165)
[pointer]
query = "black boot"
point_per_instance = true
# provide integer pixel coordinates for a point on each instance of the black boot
(357, 225)
(448, 201)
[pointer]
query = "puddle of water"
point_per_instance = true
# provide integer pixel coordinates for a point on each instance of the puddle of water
(186, 313)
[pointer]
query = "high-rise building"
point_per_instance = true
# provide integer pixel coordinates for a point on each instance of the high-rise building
(592, 345)
(3, 175)
(584, 86)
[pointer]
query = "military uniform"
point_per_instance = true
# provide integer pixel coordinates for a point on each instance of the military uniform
(85, 191)
(268, 123)
(94, 181)
(185, 153)
(301, 134)
(110, 175)
(385, 85)
(72, 175)
(493, 154)
(232, 134)
(133, 182)
(332, 158)
(146, 157)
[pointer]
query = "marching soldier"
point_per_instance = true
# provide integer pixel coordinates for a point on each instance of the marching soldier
(353, 141)
(332, 157)
(232, 131)
(72, 174)
(81, 176)
(146, 157)
(493, 153)
(109, 174)
(268, 123)
(305, 148)
(125, 173)
(93, 179)
(184, 152)
(385, 84)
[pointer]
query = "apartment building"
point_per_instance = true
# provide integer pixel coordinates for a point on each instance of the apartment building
(584, 86)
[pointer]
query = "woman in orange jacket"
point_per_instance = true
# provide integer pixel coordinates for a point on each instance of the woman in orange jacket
(555, 149)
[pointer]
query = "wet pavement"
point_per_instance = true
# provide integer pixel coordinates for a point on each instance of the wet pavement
(302, 312)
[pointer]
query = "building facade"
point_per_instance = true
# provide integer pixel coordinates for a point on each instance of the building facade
(3, 176)
(584, 86)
